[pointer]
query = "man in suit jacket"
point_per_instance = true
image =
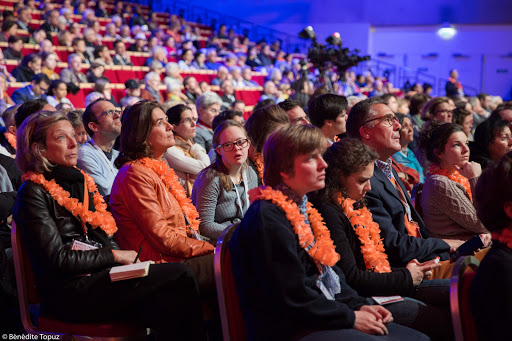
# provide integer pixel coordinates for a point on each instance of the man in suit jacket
(72, 73)
(403, 230)
(228, 97)
(52, 23)
(36, 89)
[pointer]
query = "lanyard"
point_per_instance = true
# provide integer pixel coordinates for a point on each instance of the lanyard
(239, 199)
(104, 156)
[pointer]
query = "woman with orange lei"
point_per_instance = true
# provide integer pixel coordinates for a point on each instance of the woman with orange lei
(67, 231)
(284, 260)
(149, 203)
(358, 241)
(447, 197)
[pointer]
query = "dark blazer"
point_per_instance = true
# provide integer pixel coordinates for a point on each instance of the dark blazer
(348, 246)
(389, 213)
(23, 74)
(276, 280)
(227, 101)
(23, 94)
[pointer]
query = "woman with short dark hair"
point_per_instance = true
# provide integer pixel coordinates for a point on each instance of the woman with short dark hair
(447, 197)
(283, 257)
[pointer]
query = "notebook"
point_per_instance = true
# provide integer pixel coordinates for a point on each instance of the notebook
(122, 272)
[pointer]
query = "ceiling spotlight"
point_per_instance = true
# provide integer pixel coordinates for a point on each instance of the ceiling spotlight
(334, 39)
(446, 31)
(308, 33)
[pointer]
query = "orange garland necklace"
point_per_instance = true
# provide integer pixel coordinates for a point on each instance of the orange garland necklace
(175, 188)
(257, 158)
(323, 249)
(11, 138)
(368, 232)
(454, 176)
(101, 218)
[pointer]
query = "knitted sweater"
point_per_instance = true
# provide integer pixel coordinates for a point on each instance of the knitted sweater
(447, 210)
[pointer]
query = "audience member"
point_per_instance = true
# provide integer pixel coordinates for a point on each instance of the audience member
(102, 121)
(37, 88)
(186, 157)
(151, 91)
(208, 106)
(493, 139)
(52, 23)
(447, 197)
(57, 93)
(259, 126)
(228, 94)
(29, 66)
(73, 74)
(13, 50)
(121, 57)
(192, 89)
(363, 256)
(274, 228)
(75, 118)
(220, 192)
(405, 155)
(169, 290)
(148, 201)
(329, 113)
(437, 108)
(404, 233)
(488, 296)
(49, 60)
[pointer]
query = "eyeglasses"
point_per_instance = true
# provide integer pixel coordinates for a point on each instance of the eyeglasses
(229, 146)
(110, 112)
(213, 111)
(189, 120)
(389, 119)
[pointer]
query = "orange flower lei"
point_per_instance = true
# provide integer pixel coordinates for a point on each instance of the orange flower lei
(455, 176)
(101, 218)
(323, 250)
(368, 232)
(11, 138)
(175, 188)
(257, 158)
(504, 236)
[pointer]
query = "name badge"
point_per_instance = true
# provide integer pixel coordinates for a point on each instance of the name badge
(81, 246)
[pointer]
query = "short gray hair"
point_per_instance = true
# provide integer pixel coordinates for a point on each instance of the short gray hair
(208, 98)
(171, 67)
(150, 75)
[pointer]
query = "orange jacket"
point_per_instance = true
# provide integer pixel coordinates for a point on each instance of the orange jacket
(148, 215)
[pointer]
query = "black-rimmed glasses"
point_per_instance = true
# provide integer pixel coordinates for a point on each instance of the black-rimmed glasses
(390, 119)
(229, 146)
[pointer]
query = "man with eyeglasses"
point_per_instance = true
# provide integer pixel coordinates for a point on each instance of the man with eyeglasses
(36, 89)
(404, 233)
(102, 121)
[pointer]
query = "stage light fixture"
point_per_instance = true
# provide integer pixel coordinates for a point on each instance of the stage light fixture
(447, 31)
